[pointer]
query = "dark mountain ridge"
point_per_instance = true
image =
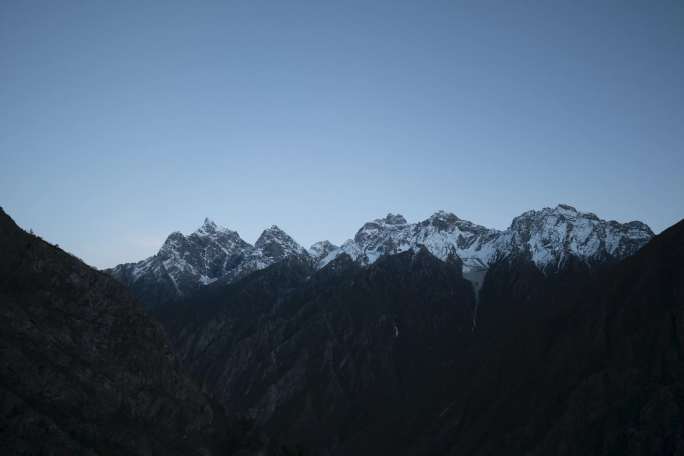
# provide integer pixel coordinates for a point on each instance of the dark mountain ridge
(334, 359)
(398, 356)
(589, 362)
(83, 370)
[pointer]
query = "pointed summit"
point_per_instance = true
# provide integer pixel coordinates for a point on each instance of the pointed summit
(269, 234)
(209, 226)
(276, 244)
(211, 229)
(321, 249)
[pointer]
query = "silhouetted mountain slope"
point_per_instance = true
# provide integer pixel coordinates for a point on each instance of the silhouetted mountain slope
(587, 362)
(83, 370)
(343, 361)
(397, 357)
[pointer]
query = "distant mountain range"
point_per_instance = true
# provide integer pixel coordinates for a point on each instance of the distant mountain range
(549, 238)
(563, 334)
(210, 254)
(562, 348)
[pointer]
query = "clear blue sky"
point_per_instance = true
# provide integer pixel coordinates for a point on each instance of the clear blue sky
(123, 121)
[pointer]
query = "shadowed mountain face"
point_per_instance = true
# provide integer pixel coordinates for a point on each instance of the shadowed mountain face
(392, 356)
(397, 357)
(585, 362)
(83, 370)
(348, 360)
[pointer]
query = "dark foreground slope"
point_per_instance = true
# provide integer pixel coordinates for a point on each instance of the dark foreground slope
(587, 362)
(82, 368)
(348, 360)
(386, 359)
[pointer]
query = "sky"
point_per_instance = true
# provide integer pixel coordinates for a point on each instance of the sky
(121, 122)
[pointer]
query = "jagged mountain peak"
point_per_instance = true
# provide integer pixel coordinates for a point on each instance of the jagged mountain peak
(551, 236)
(209, 224)
(209, 235)
(321, 244)
(173, 241)
(443, 215)
(564, 211)
(566, 214)
(210, 228)
(273, 234)
(548, 237)
(369, 230)
(211, 253)
(276, 244)
(448, 221)
(321, 249)
(393, 219)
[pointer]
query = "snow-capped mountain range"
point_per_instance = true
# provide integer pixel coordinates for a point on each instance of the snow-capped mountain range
(209, 254)
(548, 237)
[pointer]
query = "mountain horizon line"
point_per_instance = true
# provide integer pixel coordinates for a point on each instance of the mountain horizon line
(210, 223)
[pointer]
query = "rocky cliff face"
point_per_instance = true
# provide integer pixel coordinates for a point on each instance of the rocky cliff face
(83, 370)
(586, 361)
(339, 361)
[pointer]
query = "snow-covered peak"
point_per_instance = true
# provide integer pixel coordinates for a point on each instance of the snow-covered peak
(183, 262)
(447, 221)
(210, 228)
(551, 236)
(208, 254)
(321, 249)
(566, 209)
(274, 243)
(270, 233)
(370, 230)
(444, 216)
(561, 211)
(208, 225)
(548, 237)
(173, 241)
(392, 219)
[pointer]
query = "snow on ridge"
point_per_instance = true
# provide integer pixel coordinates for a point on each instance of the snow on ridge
(321, 249)
(209, 254)
(548, 237)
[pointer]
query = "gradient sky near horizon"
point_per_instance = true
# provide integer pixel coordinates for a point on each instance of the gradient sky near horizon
(123, 121)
